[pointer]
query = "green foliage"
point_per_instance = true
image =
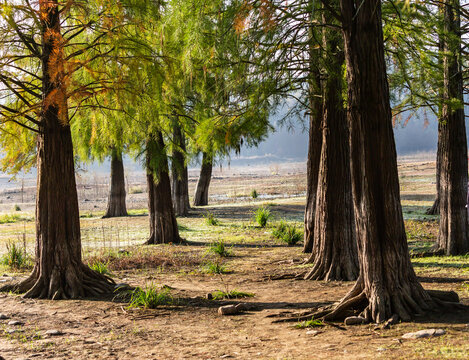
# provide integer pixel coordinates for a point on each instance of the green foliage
(233, 294)
(17, 208)
(310, 324)
(215, 268)
(254, 194)
(210, 219)
(9, 218)
(150, 297)
(218, 247)
(287, 233)
(101, 268)
(262, 215)
(15, 257)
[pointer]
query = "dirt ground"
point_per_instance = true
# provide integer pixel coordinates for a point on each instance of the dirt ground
(192, 329)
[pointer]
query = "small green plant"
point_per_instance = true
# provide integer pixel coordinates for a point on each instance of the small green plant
(149, 298)
(254, 194)
(210, 219)
(9, 218)
(218, 247)
(215, 268)
(233, 294)
(15, 258)
(17, 208)
(287, 233)
(310, 324)
(101, 268)
(261, 215)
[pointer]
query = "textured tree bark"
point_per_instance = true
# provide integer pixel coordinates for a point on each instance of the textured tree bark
(387, 286)
(453, 232)
(163, 224)
(314, 144)
(179, 178)
(334, 251)
(201, 191)
(58, 271)
(116, 202)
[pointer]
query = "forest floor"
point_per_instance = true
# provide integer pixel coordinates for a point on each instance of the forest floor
(259, 264)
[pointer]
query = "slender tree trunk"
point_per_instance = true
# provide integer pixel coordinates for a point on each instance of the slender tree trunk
(201, 191)
(335, 249)
(387, 286)
(163, 224)
(453, 234)
(315, 139)
(179, 178)
(58, 271)
(116, 202)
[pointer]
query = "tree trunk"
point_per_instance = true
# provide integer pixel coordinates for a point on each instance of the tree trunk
(335, 249)
(116, 202)
(453, 236)
(163, 224)
(387, 285)
(201, 191)
(58, 271)
(180, 179)
(314, 145)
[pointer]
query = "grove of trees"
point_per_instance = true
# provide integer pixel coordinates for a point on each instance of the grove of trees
(169, 82)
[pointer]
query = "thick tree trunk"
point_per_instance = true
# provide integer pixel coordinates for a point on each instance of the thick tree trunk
(453, 233)
(314, 144)
(387, 286)
(163, 224)
(179, 178)
(58, 272)
(116, 202)
(201, 191)
(335, 249)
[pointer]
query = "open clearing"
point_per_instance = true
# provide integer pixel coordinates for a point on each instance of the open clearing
(258, 264)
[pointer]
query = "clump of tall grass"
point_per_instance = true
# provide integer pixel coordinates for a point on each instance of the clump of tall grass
(149, 298)
(219, 248)
(262, 215)
(15, 257)
(287, 233)
(210, 219)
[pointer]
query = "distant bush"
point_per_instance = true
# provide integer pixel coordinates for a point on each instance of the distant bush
(136, 190)
(262, 215)
(17, 208)
(210, 219)
(254, 194)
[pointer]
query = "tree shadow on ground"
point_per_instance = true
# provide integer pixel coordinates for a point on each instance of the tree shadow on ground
(242, 245)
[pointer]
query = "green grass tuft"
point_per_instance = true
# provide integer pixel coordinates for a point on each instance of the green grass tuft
(101, 268)
(310, 324)
(149, 298)
(210, 219)
(215, 268)
(254, 194)
(15, 257)
(287, 233)
(218, 247)
(262, 215)
(233, 294)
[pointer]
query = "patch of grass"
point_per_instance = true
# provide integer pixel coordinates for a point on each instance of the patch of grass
(10, 218)
(218, 247)
(310, 324)
(233, 294)
(15, 257)
(254, 194)
(287, 233)
(101, 268)
(137, 212)
(149, 298)
(210, 219)
(262, 215)
(215, 268)
(136, 190)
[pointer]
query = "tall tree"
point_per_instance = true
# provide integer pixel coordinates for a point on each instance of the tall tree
(201, 190)
(453, 234)
(116, 202)
(387, 284)
(334, 252)
(38, 94)
(179, 173)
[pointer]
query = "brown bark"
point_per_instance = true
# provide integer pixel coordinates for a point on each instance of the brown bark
(201, 191)
(314, 144)
(453, 232)
(163, 224)
(334, 252)
(387, 285)
(179, 178)
(116, 202)
(58, 271)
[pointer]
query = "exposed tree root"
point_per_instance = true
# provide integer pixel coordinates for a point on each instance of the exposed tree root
(71, 283)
